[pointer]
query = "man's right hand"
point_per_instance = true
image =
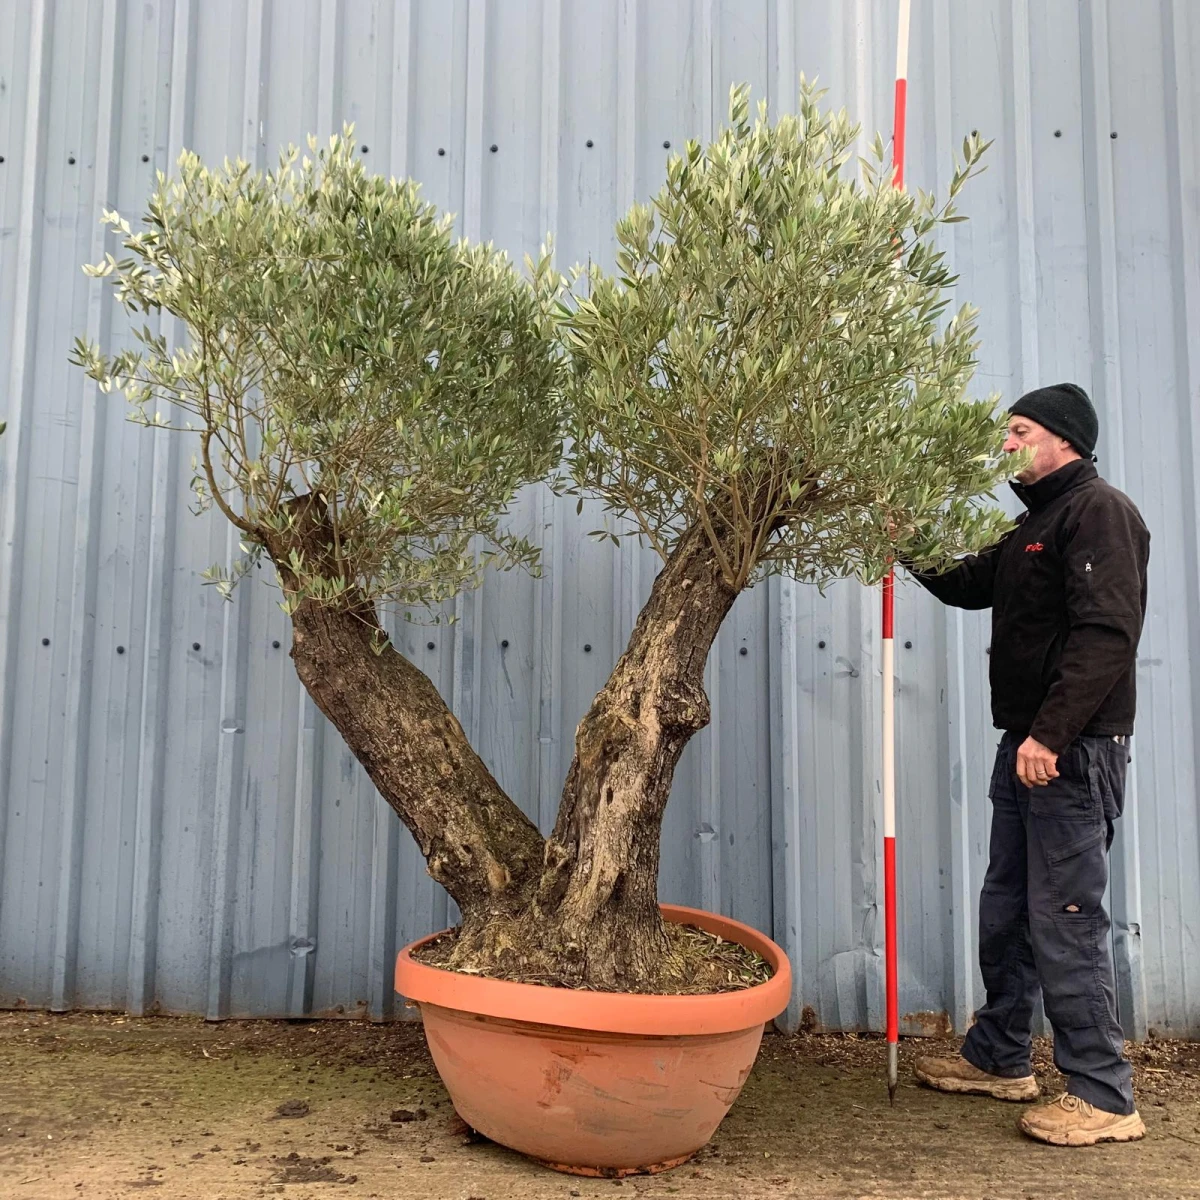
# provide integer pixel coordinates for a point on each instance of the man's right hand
(1036, 764)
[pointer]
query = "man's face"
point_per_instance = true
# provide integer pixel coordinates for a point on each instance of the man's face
(1049, 450)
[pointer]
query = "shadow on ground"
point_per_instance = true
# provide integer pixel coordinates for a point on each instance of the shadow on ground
(104, 1107)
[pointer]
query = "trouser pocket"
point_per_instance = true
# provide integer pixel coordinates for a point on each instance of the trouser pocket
(1068, 872)
(1069, 927)
(1106, 762)
(1076, 868)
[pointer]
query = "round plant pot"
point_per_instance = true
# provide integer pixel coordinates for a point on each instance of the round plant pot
(596, 1083)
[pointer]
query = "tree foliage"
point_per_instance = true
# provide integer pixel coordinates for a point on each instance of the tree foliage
(775, 360)
(340, 344)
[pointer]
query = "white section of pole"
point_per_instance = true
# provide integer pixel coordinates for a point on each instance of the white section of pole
(902, 40)
(889, 738)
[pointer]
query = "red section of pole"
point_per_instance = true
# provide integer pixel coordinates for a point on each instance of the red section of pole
(893, 985)
(889, 604)
(901, 102)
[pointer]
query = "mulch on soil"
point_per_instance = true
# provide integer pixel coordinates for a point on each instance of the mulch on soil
(706, 962)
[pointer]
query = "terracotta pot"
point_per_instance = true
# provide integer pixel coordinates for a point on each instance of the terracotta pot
(596, 1083)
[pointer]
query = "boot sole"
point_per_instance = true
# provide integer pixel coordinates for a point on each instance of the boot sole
(1127, 1129)
(1019, 1091)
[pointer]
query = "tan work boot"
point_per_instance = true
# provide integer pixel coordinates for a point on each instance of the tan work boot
(1069, 1121)
(958, 1075)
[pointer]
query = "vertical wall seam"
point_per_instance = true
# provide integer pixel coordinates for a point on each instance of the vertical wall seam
(402, 47)
(1024, 232)
(382, 922)
(14, 455)
(547, 617)
(383, 918)
(304, 935)
(1101, 228)
(707, 67)
(712, 839)
(783, 670)
(1183, 173)
(466, 678)
(867, 877)
(627, 556)
(783, 667)
(1104, 303)
(786, 85)
(469, 605)
(329, 68)
(236, 611)
(304, 875)
(962, 950)
(160, 585)
(90, 479)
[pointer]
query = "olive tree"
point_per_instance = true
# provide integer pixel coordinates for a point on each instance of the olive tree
(771, 383)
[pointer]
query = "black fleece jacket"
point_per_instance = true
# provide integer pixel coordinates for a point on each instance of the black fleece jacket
(1067, 589)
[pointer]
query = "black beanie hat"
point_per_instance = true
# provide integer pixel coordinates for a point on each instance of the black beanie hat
(1065, 409)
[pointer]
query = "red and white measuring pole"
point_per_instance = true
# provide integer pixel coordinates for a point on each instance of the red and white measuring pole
(889, 700)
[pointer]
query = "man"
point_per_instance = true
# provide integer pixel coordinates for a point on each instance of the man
(1067, 589)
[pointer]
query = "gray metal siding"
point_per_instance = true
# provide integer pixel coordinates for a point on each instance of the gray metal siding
(179, 829)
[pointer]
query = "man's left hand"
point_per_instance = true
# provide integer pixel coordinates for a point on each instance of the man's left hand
(1036, 764)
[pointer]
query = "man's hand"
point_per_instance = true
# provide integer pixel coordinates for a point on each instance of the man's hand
(1036, 764)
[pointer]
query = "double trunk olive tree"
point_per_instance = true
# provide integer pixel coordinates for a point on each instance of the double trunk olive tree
(769, 385)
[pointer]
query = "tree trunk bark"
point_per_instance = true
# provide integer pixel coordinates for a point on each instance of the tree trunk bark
(599, 892)
(478, 844)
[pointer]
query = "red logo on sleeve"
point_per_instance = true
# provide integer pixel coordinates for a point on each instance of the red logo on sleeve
(1034, 548)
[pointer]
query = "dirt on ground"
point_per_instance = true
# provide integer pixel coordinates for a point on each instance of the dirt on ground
(103, 1106)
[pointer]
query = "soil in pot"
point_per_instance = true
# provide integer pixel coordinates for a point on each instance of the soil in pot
(708, 962)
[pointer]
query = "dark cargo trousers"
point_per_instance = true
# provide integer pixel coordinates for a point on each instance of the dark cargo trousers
(1042, 922)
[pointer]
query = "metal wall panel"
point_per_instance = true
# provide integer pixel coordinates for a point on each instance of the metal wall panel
(180, 831)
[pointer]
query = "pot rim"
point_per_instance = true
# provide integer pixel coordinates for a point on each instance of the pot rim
(610, 1012)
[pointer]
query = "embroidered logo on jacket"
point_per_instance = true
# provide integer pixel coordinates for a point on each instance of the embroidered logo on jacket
(1034, 548)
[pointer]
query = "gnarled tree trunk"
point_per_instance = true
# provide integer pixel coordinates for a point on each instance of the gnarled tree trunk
(479, 845)
(599, 893)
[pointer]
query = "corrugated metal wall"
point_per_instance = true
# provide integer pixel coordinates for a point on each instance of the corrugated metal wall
(179, 830)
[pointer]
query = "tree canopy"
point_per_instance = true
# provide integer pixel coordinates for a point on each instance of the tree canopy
(774, 362)
(774, 359)
(341, 344)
